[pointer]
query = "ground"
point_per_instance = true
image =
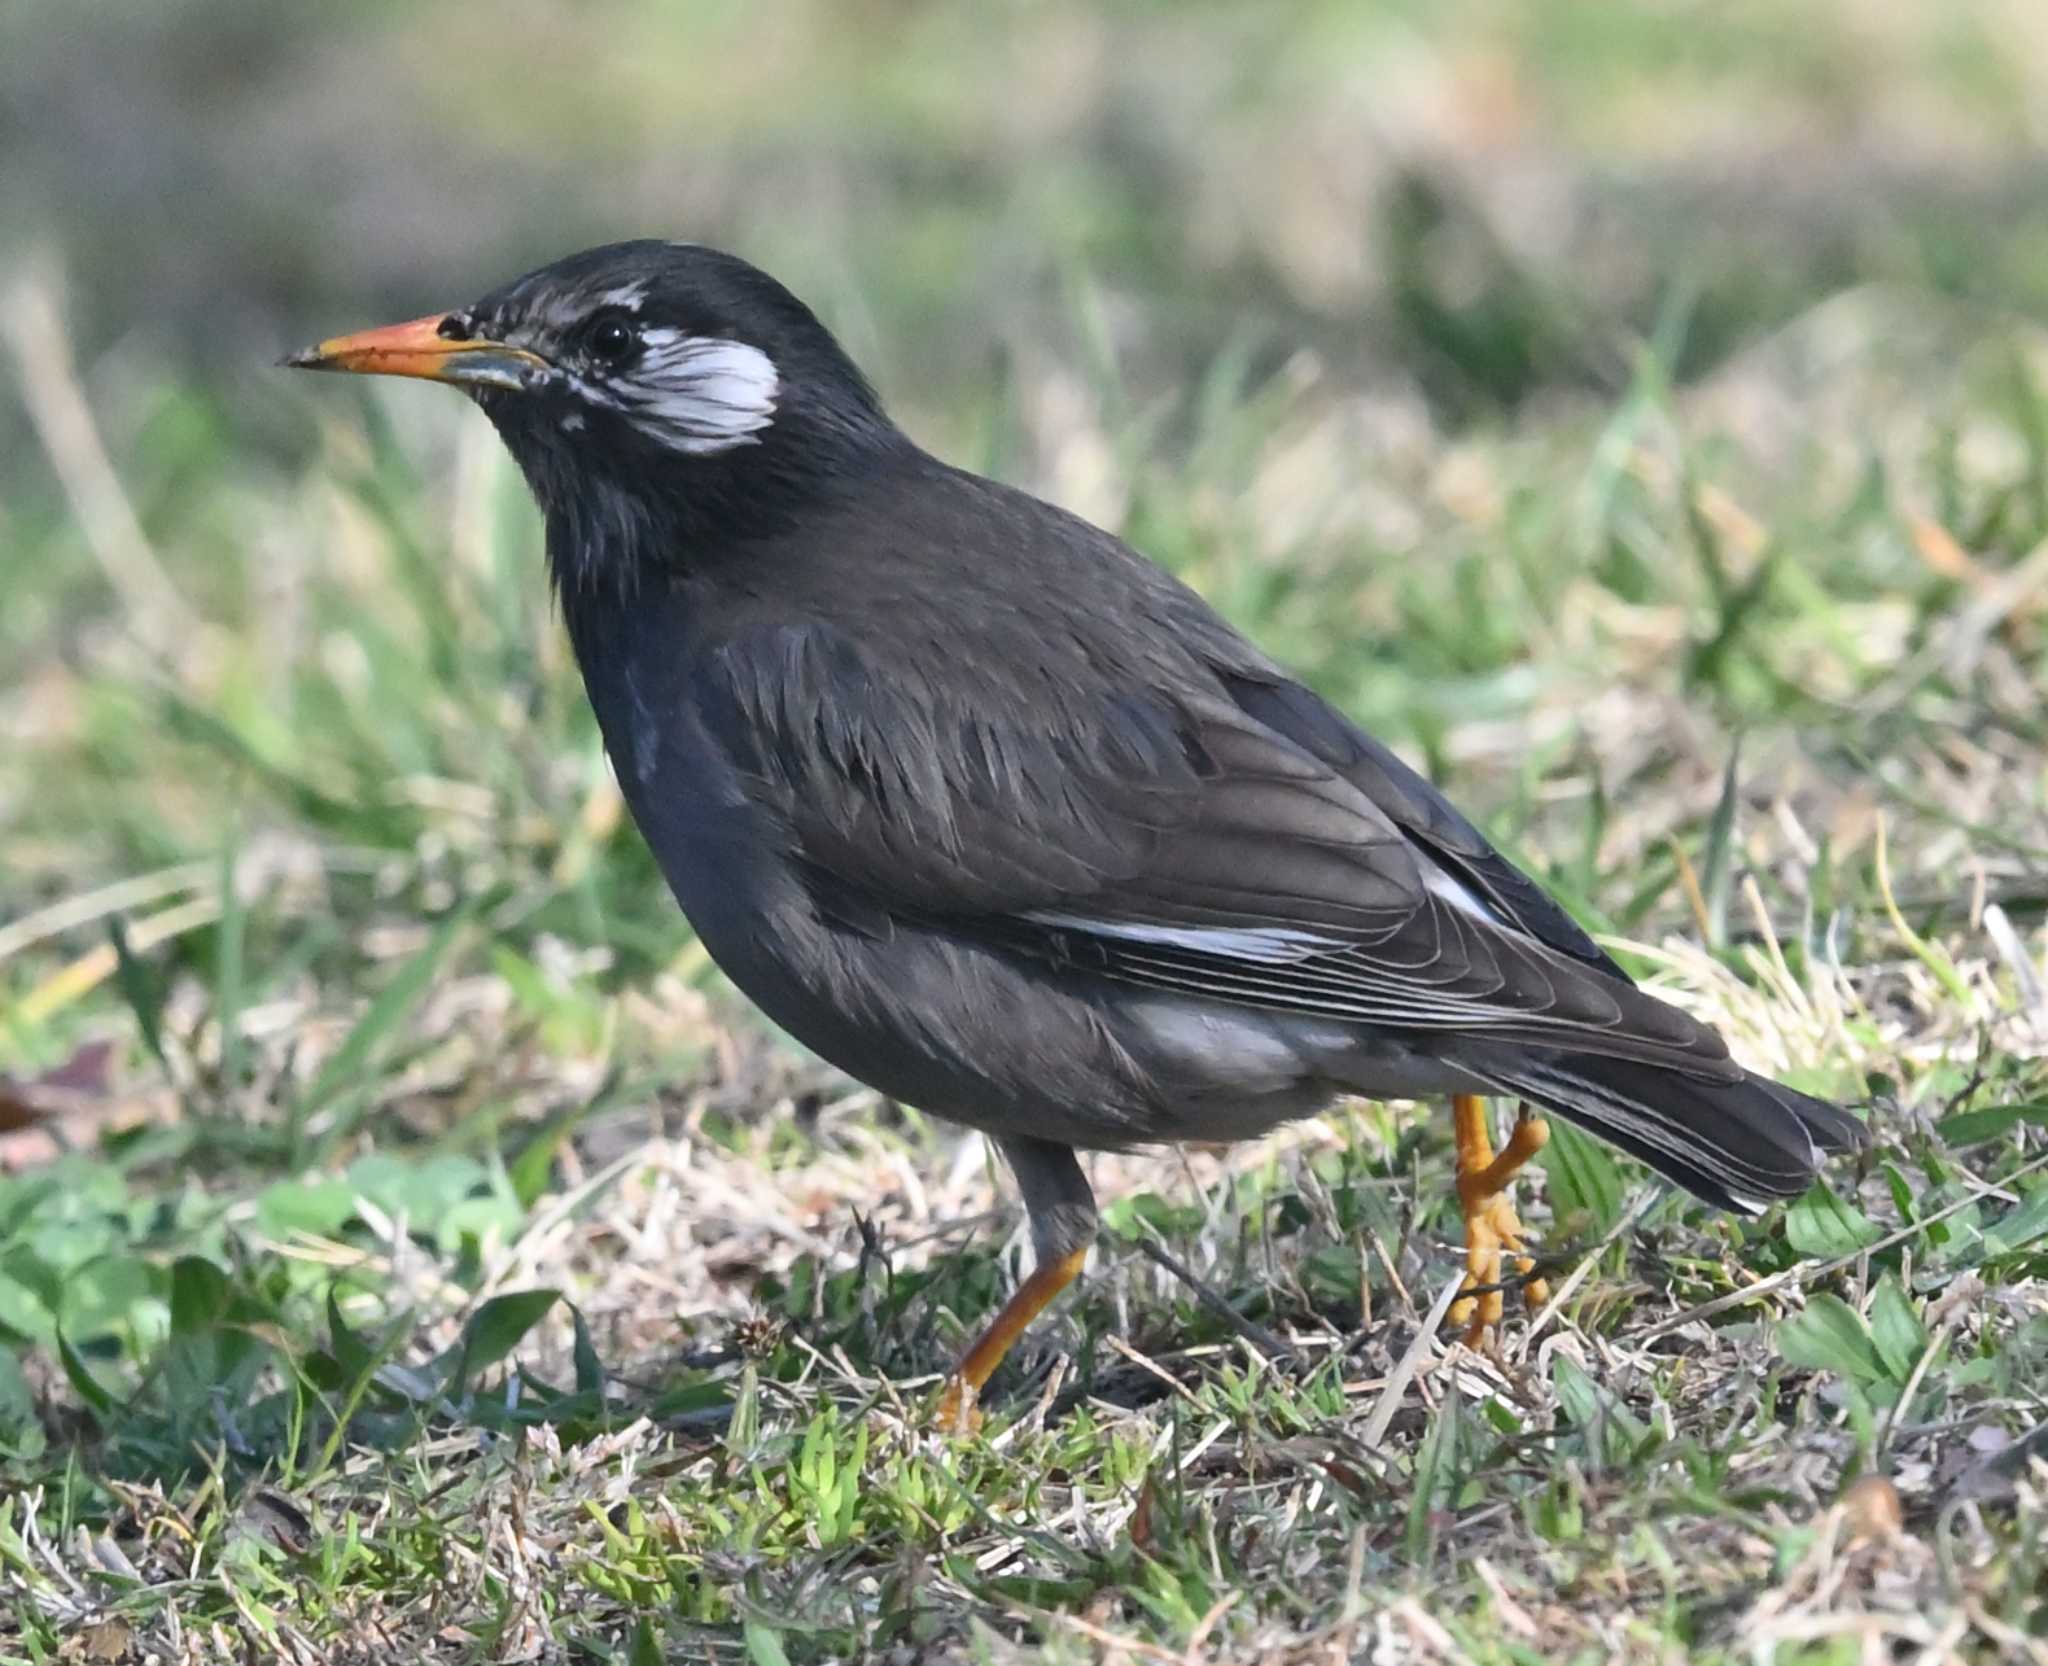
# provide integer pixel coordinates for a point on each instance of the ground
(410, 1248)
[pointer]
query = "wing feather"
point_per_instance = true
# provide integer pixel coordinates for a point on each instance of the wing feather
(1227, 839)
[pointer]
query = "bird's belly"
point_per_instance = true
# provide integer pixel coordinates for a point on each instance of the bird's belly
(957, 1029)
(1229, 1072)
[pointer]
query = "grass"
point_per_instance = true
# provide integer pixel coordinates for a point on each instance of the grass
(410, 1247)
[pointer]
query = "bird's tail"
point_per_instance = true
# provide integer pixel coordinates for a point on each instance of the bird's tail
(1737, 1141)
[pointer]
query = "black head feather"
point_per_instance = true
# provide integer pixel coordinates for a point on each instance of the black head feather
(692, 402)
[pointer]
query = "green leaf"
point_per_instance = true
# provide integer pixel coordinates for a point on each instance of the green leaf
(2021, 1226)
(531, 1170)
(470, 1220)
(1968, 1128)
(1129, 1217)
(1716, 869)
(589, 1368)
(764, 1648)
(646, 1649)
(199, 1295)
(1958, 1239)
(743, 1431)
(108, 1294)
(1611, 1433)
(90, 1389)
(25, 1274)
(355, 1358)
(1584, 1179)
(1821, 1225)
(318, 1208)
(497, 1327)
(143, 993)
(1436, 1473)
(1895, 1329)
(1905, 1197)
(1831, 1336)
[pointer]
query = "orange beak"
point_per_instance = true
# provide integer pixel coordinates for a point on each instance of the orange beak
(420, 348)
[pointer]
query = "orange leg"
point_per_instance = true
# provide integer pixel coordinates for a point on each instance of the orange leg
(1491, 1224)
(957, 1413)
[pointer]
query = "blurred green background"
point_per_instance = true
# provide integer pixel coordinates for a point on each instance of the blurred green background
(1634, 412)
(1046, 228)
(1484, 196)
(947, 161)
(1567, 388)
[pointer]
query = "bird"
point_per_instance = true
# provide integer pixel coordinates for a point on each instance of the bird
(1003, 820)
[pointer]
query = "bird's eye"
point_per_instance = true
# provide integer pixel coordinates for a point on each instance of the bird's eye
(611, 340)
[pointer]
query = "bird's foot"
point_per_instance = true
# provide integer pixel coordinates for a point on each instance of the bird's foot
(958, 1412)
(1493, 1231)
(1493, 1237)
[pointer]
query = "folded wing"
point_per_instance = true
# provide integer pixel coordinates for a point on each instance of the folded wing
(1227, 837)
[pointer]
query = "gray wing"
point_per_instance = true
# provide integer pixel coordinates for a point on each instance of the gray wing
(1174, 835)
(1422, 813)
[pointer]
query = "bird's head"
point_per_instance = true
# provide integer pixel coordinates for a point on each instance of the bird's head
(658, 396)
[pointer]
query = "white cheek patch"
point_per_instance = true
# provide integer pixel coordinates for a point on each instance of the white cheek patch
(699, 394)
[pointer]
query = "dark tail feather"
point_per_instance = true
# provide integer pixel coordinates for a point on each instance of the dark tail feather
(1737, 1143)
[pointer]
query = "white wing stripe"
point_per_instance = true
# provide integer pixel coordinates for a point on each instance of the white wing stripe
(1268, 945)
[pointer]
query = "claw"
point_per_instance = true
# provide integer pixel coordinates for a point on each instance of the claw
(958, 1412)
(1492, 1228)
